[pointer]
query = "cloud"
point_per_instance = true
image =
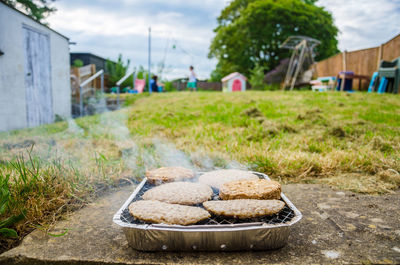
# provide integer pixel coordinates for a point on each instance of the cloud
(364, 23)
(108, 28)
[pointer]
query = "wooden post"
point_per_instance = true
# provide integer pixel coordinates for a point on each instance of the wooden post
(344, 69)
(93, 71)
(380, 52)
(344, 61)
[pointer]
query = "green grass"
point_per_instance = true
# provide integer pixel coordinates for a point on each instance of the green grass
(349, 141)
(296, 137)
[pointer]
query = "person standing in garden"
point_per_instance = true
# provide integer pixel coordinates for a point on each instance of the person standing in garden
(192, 83)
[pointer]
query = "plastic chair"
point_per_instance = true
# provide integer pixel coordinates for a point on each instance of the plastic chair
(391, 70)
(373, 83)
(382, 85)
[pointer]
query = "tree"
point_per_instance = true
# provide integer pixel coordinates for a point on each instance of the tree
(117, 70)
(36, 9)
(257, 77)
(249, 33)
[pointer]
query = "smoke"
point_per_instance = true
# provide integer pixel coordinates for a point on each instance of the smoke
(139, 154)
(108, 137)
(168, 155)
(73, 128)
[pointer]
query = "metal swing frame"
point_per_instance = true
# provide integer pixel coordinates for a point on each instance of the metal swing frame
(302, 47)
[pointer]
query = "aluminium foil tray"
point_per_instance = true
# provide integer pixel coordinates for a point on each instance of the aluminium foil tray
(217, 234)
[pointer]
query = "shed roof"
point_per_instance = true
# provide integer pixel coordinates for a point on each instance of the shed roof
(233, 75)
(9, 6)
(90, 55)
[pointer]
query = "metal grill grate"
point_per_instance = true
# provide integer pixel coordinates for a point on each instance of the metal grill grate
(283, 216)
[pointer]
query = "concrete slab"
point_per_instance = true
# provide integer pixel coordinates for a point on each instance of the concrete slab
(337, 227)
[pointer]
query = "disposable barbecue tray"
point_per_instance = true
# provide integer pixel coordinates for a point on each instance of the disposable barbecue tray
(213, 234)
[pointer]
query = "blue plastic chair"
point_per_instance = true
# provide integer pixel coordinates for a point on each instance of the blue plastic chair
(382, 85)
(371, 87)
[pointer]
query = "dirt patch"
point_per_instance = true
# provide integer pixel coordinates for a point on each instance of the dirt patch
(252, 113)
(337, 132)
(310, 114)
(287, 128)
(314, 116)
(358, 122)
(270, 129)
(260, 119)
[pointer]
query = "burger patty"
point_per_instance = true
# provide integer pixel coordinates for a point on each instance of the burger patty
(244, 209)
(166, 213)
(168, 174)
(259, 189)
(186, 193)
(217, 178)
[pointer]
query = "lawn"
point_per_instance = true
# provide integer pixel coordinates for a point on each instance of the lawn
(348, 141)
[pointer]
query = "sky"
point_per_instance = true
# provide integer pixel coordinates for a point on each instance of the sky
(182, 30)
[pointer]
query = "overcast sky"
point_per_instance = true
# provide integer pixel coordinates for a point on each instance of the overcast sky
(182, 29)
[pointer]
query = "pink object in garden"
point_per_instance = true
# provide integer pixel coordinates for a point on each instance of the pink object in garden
(139, 85)
(237, 85)
(235, 82)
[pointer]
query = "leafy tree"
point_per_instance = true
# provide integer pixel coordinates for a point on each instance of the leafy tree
(36, 9)
(249, 33)
(117, 70)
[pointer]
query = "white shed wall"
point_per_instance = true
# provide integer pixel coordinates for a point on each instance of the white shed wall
(12, 72)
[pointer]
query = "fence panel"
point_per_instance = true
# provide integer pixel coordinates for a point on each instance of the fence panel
(362, 62)
(391, 49)
(331, 66)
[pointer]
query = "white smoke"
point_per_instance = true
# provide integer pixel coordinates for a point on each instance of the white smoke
(74, 128)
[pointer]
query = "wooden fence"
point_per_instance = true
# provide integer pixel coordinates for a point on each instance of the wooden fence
(362, 62)
(201, 85)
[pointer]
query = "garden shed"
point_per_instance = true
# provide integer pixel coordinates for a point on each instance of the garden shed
(34, 72)
(234, 82)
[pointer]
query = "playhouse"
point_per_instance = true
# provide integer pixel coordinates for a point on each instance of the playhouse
(234, 82)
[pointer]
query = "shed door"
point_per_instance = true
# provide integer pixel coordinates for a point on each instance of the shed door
(237, 85)
(39, 107)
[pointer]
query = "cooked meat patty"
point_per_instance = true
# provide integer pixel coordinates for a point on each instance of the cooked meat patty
(259, 189)
(168, 174)
(217, 178)
(186, 193)
(166, 213)
(243, 209)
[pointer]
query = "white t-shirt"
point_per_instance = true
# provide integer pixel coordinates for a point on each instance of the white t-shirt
(192, 77)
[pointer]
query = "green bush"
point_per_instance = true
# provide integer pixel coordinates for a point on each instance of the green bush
(78, 63)
(168, 87)
(257, 78)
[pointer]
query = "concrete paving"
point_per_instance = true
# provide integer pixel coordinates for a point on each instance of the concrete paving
(337, 228)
